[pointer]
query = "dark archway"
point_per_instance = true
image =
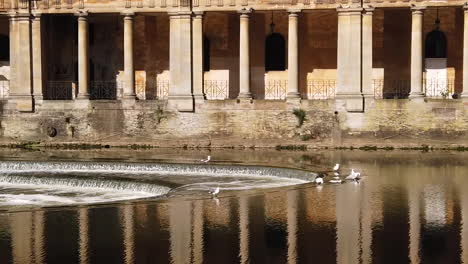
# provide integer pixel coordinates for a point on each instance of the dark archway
(436, 44)
(206, 53)
(275, 52)
(5, 48)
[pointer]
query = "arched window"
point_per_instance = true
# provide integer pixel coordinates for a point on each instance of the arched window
(275, 52)
(436, 44)
(206, 53)
(4, 48)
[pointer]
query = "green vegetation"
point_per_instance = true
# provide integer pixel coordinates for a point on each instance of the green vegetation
(300, 115)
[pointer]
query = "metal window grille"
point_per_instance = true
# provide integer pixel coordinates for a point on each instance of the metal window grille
(276, 89)
(321, 89)
(216, 89)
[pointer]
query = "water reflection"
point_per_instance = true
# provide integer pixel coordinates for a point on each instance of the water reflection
(403, 212)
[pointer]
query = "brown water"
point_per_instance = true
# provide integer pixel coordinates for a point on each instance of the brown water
(409, 207)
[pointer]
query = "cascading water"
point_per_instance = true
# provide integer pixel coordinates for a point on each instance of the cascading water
(57, 183)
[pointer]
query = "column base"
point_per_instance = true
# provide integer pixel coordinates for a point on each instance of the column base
(416, 95)
(23, 103)
(129, 97)
(82, 97)
(353, 102)
(199, 99)
(245, 96)
(181, 103)
(293, 100)
(463, 95)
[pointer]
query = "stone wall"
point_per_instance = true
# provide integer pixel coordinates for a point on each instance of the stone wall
(228, 123)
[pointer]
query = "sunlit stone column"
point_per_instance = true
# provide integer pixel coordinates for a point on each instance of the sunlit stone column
(197, 40)
(293, 56)
(180, 62)
(83, 59)
(292, 202)
(180, 221)
(349, 59)
(14, 44)
(129, 69)
(128, 226)
(244, 56)
(37, 58)
(465, 52)
(198, 223)
(83, 225)
(367, 89)
(21, 90)
(417, 52)
(244, 233)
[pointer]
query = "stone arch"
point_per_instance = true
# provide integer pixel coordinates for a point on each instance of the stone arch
(436, 44)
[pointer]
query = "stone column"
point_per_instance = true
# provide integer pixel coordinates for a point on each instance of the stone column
(349, 73)
(417, 52)
(197, 45)
(129, 69)
(367, 87)
(83, 58)
(244, 56)
(14, 44)
(21, 89)
(180, 62)
(37, 58)
(465, 53)
(293, 56)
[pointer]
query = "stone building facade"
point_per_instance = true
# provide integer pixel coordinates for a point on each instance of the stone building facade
(112, 67)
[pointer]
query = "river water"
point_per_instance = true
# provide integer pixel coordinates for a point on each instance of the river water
(409, 207)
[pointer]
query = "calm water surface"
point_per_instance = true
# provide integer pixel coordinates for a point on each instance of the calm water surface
(410, 207)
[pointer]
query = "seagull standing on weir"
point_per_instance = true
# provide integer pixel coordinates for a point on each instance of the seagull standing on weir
(336, 168)
(207, 159)
(214, 192)
(354, 175)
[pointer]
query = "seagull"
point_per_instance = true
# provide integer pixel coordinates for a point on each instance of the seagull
(337, 167)
(354, 175)
(207, 159)
(214, 192)
(319, 180)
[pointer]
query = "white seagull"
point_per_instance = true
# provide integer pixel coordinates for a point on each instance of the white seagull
(319, 180)
(337, 167)
(214, 192)
(354, 175)
(207, 159)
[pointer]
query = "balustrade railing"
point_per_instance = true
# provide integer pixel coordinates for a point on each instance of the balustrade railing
(276, 89)
(60, 90)
(444, 88)
(321, 89)
(103, 90)
(152, 90)
(4, 89)
(391, 89)
(216, 89)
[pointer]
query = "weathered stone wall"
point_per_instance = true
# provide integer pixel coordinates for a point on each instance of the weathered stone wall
(228, 123)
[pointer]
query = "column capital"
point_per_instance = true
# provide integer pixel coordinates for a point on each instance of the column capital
(369, 10)
(465, 7)
(179, 14)
(418, 10)
(81, 14)
(36, 15)
(16, 16)
(294, 11)
(245, 12)
(128, 14)
(198, 14)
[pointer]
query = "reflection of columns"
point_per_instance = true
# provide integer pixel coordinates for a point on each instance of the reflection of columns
(244, 56)
(180, 221)
(465, 53)
(349, 58)
(348, 223)
(244, 229)
(462, 185)
(39, 254)
(197, 40)
(293, 56)
(83, 223)
(180, 61)
(83, 59)
(128, 233)
(129, 69)
(367, 89)
(20, 92)
(292, 199)
(416, 52)
(37, 57)
(21, 237)
(198, 232)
